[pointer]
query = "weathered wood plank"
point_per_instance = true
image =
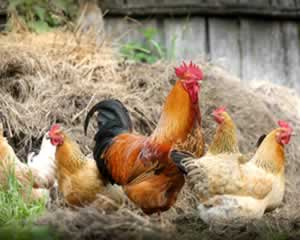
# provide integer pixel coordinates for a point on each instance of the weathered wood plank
(174, 34)
(291, 39)
(283, 4)
(287, 9)
(225, 44)
(117, 29)
(255, 3)
(186, 37)
(155, 3)
(204, 3)
(125, 30)
(262, 51)
(177, 3)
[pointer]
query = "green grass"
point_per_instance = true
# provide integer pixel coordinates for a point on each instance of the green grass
(27, 233)
(270, 233)
(17, 216)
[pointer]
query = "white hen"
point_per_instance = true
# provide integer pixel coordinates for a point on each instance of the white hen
(44, 162)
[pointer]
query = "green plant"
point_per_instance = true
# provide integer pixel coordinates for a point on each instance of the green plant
(148, 51)
(268, 231)
(17, 216)
(43, 15)
(31, 232)
(14, 209)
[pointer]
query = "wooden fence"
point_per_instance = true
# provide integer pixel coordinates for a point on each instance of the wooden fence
(254, 39)
(253, 49)
(284, 9)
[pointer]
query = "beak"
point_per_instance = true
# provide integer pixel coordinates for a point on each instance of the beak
(213, 114)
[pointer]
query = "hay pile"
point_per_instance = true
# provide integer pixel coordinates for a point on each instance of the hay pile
(56, 77)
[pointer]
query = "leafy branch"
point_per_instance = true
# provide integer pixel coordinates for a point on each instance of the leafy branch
(43, 15)
(148, 51)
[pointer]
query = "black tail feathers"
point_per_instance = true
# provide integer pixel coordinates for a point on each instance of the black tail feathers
(260, 140)
(177, 156)
(112, 119)
(111, 112)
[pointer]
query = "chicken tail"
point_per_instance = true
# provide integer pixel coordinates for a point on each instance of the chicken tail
(260, 140)
(177, 157)
(112, 119)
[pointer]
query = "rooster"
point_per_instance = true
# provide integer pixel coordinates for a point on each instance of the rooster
(44, 162)
(228, 190)
(141, 164)
(187, 136)
(78, 177)
(33, 186)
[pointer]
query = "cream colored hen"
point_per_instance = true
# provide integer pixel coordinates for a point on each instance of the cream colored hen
(228, 190)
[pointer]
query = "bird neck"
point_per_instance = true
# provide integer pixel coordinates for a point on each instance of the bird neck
(1, 130)
(225, 139)
(177, 118)
(69, 156)
(270, 154)
(47, 147)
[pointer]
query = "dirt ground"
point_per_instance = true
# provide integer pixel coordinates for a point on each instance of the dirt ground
(56, 77)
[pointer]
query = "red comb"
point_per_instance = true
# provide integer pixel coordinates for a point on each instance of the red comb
(54, 128)
(220, 110)
(284, 124)
(189, 71)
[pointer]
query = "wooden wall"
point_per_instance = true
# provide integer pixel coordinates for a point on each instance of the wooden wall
(253, 49)
(255, 39)
(267, 8)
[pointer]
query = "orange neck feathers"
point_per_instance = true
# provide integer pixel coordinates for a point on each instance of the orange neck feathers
(68, 156)
(270, 155)
(177, 118)
(225, 139)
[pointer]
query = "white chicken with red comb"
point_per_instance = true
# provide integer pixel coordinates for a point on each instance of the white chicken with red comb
(44, 161)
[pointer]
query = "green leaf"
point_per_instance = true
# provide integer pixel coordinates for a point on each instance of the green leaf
(158, 48)
(149, 33)
(141, 57)
(172, 52)
(151, 59)
(148, 51)
(137, 47)
(39, 26)
(40, 12)
(54, 20)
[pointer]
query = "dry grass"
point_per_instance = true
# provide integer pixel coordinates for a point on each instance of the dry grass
(56, 77)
